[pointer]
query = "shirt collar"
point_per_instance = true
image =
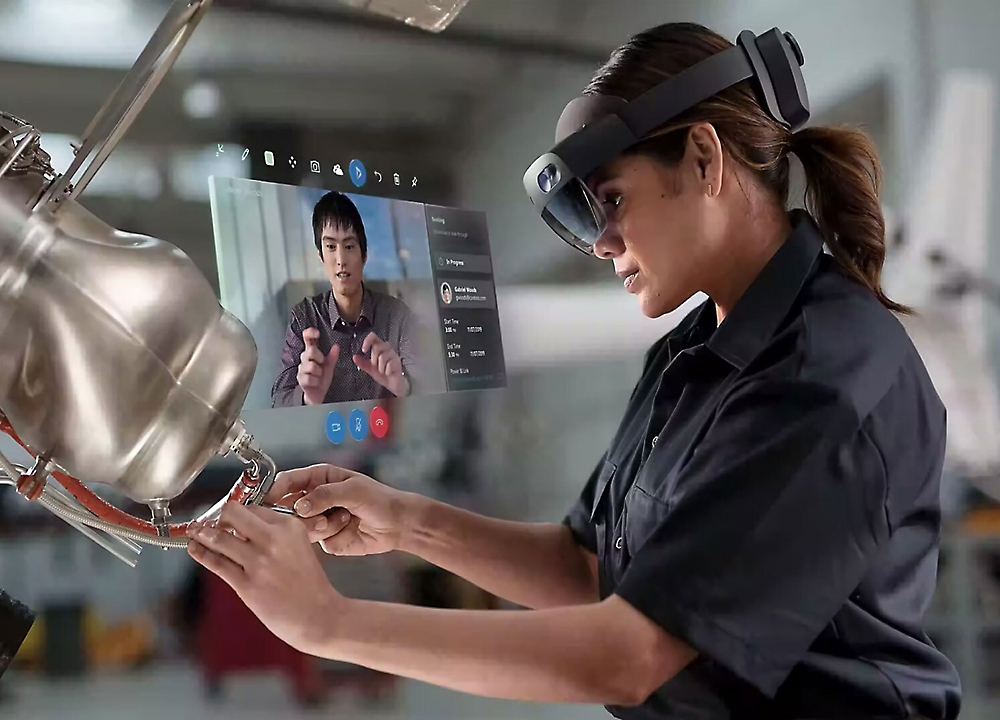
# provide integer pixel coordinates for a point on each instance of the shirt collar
(752, 322)
(367, 307)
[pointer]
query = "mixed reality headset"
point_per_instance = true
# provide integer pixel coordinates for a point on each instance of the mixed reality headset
(595, 129)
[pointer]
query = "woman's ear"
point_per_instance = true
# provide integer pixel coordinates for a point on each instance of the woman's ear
(704, 149)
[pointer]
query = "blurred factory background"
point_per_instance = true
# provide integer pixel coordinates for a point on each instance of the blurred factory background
(466, 111)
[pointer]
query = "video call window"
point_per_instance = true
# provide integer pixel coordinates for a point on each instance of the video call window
(354, 298)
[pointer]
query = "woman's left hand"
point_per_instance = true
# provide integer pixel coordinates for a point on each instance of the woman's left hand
(273, 567)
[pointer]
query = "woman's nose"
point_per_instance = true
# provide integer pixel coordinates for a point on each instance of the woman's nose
(610, 244)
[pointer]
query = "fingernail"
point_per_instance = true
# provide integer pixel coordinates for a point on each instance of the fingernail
(320, 524)
(303, 506)
(192, 529)
(208, 534)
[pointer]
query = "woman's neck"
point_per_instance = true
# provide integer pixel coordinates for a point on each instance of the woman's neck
(749, 248)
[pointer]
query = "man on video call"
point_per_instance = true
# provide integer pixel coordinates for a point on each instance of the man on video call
(349, 343)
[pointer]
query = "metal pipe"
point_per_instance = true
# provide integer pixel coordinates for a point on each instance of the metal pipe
(121, 109)
(19, 150)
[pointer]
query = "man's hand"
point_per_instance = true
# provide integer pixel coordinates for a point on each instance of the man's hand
(272, 566)
(384, 366)
(316, 371)
(347, 513)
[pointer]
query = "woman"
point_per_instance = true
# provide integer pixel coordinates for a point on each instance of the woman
(760, 539)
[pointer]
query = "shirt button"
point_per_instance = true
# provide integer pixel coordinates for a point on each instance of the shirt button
(618, 543)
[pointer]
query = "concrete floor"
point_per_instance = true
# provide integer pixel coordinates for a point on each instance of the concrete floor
(175, 692)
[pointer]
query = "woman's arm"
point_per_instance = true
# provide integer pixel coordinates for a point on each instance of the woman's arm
(605, 653)
(535, 565)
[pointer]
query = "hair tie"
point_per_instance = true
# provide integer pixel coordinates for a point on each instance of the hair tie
(795, 142)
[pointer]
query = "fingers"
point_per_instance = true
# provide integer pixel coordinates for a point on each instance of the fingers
(371, 340)
(230, 572)
(331, 357)
(339, 494)
(326, 526)
(310, 375)
(311, 354)
(366, 365)
(223, 544)
(244, 521)
(383, 360)
(381, 356)
(303, 480)
(310, 336)
(345, 542)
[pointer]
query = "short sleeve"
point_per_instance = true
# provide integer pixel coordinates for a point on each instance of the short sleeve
(774, 522)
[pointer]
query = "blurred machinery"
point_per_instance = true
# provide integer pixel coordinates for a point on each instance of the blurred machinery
(938, 266)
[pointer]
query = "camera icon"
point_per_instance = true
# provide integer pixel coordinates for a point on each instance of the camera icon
(314, 166)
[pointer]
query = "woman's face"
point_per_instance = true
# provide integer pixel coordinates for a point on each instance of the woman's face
(663, 226)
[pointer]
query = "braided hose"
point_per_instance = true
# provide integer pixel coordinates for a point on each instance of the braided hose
(77, 504)
(67, 513)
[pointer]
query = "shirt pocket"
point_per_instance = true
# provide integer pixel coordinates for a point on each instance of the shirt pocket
(644, 514)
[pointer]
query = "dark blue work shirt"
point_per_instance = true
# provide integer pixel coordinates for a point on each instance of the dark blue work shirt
(772, 499)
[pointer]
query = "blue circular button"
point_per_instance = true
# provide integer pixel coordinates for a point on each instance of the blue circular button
(358, 172)
(358, 425)
(336, 427)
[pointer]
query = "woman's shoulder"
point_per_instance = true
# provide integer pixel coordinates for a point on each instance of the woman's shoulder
(846, 338)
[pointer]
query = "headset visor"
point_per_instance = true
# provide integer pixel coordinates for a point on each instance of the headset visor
(595, 129)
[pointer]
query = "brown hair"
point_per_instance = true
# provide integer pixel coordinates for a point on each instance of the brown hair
(842, 169)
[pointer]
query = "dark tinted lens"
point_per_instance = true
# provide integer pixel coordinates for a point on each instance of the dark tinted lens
(574, 214)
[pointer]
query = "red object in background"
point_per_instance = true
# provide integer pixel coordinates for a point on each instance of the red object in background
(378, 419)
(231, 639)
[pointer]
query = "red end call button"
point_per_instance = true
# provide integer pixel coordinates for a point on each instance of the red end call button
(379, 421)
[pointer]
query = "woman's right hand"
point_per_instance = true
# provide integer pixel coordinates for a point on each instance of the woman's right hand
(346, 512)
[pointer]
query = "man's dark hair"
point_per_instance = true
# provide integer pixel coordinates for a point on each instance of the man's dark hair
(336, 209)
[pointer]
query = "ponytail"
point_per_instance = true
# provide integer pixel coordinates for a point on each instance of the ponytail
(843, 178)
